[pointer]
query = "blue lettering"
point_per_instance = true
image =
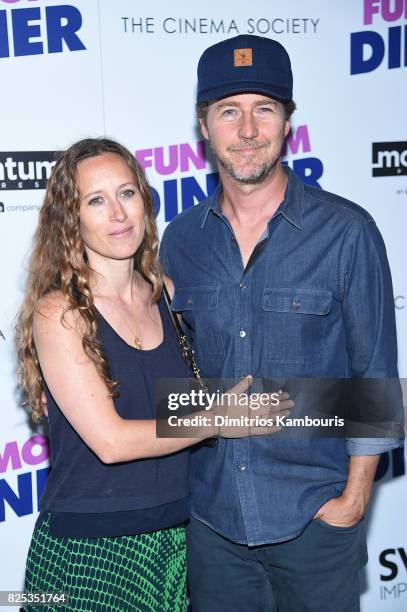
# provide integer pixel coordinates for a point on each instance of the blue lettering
(395, 47)
(358, 40)
(192, 193)
(42, 476)
(62, 24)
(309, 170)
(170, 199)
(22, 504)
(405, 45)
(57, 32)
(212, 181)
(383, 466)
(156, 200)
(4, 46)
(23, 32)
(398, 464)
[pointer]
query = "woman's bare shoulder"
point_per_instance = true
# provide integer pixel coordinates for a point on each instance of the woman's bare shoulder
(52, 309)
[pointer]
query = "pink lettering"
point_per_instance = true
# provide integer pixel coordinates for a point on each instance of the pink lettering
(27, 451)
(197, 158)
(389, 10)
(172, 163)
(166, 160)
(370, 8)
(10, 455)
(297, 140)
(14, 1)
(143, 156)
(392, 13)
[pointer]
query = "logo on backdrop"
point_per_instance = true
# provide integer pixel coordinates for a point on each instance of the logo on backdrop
(389, 158)
(230, 27)
(393, 563)
(32, 31)
(25, 169)
(19, 208)
(309, 169)
(21, 495)
(392, 464)
(400, 302)
(368, 48)
(198, 182)
(188, 189)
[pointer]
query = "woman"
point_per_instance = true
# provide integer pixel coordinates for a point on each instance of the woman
(95, 334)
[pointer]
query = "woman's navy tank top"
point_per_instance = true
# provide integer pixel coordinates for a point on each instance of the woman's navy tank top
(87, 498)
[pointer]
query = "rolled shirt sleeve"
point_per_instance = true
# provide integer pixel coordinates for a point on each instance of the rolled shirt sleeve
(369, 319)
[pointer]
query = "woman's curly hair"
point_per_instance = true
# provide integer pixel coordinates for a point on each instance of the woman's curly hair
(59, 263)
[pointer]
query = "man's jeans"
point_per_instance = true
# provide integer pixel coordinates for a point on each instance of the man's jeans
(318, 570)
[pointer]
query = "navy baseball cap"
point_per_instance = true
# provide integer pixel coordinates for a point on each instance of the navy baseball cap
(245, 63)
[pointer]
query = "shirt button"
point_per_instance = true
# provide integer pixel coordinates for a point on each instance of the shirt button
(242, 467)
(190, 301)
(242, 286)
(296, 304)
(242, 333)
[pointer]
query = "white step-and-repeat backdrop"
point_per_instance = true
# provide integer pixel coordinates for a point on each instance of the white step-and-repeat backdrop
(126, 69)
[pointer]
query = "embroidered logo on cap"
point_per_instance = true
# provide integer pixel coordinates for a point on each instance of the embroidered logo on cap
(242, 57)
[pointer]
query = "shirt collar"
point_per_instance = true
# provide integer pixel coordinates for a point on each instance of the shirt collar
(290, 208)
(213, 204)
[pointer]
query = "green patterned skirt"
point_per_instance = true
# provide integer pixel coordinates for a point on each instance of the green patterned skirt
(140, 573)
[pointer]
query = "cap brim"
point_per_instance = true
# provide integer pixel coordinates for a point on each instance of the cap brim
(228, 89)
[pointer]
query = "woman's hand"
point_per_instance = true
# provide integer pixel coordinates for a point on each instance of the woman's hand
(240, 414)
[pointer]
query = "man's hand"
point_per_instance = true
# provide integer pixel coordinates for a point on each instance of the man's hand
(341, 512)
(350, 507)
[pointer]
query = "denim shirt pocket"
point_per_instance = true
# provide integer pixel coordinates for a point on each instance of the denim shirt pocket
(295, 323)
(200, 312)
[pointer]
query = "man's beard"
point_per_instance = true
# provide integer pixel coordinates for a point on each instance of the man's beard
(257, 174)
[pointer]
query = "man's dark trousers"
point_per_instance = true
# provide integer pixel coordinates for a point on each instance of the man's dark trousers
(318, 570)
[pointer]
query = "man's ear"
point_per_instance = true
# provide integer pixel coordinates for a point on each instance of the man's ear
(204, 128)
(287, 127)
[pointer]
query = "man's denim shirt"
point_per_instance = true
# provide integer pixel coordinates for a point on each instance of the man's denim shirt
(315, 300)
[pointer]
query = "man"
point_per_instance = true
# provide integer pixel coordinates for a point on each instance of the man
(274, 278)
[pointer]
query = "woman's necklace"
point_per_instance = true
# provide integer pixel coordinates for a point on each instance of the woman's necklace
(137, 343)
(132, 329)
(136, 339)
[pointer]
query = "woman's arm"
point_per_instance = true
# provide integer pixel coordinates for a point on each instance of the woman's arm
(83, 397)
